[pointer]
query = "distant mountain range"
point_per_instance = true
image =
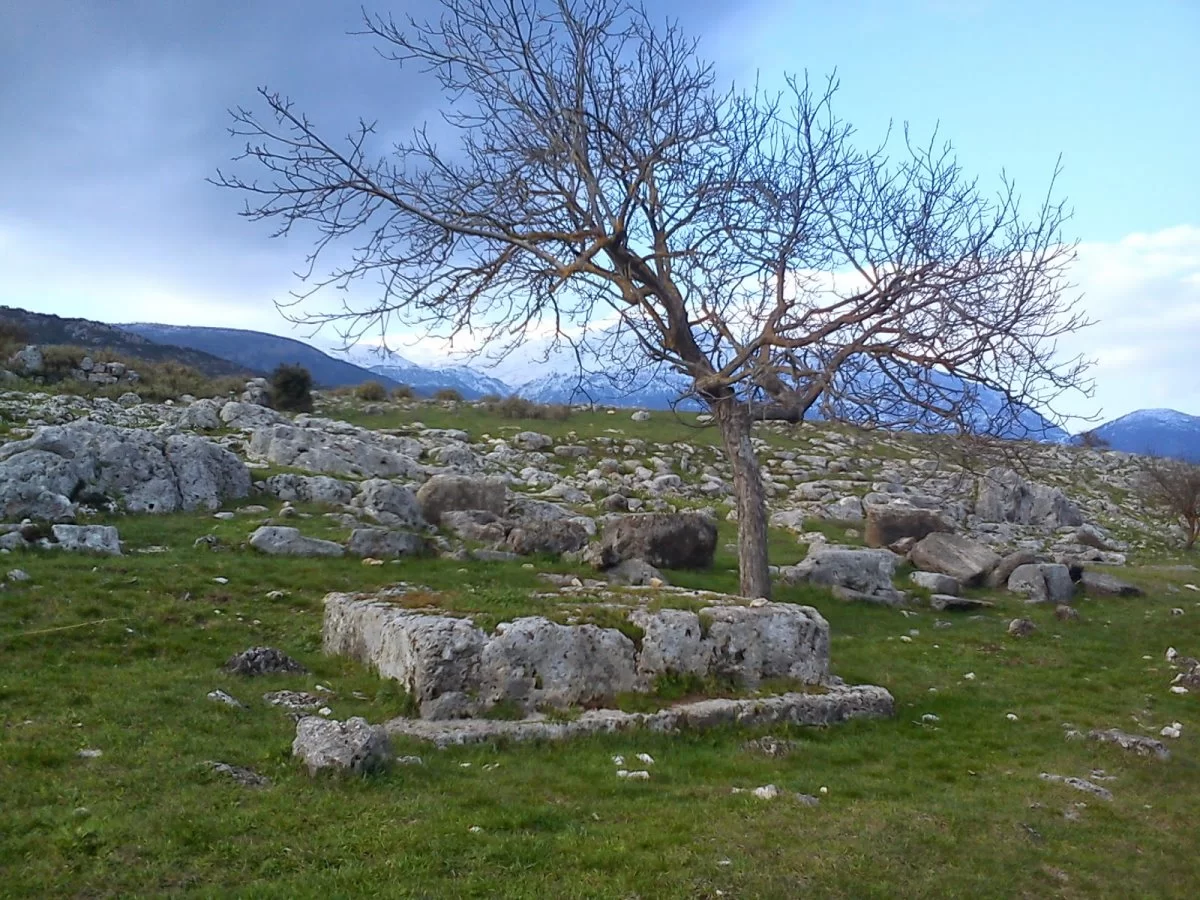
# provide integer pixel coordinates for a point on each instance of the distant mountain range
(231, 351)
(1161, 432)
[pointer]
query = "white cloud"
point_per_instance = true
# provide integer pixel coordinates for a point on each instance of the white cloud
(1143, 291)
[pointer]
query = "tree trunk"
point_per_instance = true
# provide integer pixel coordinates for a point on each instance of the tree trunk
(733, 418)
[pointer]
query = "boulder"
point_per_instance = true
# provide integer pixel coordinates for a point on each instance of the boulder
(202, 415)
(101, 539)
(536, 662)
(953, 603)
(951, 554)
(354, 745)
(998, 577)
(547, 537)
(276, 540)
(1021, 627)
(888, 524)
(776, 640)
(429, 655)
(476, 525)
(319, 489)
(379, 543)
(28, 361)
(444, 493)
(1005, 496)
(673, 641)
(390, 503)
(865, 572)
(935, 582)
(1043, 583)
(664, 540)
(100, 464)
(248, 416)
(1103, 584)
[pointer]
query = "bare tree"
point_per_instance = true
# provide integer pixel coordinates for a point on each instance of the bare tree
(602, 185)
(1174, 486)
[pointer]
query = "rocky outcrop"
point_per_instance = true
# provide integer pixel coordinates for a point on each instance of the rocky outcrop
(99, 465)
(380, 543)
(534, 661)
(390, 503)
(866, 573)
(316, 449)
(664, 540)
(101, 539)
(320, 489)
(1004, 496)
(961, 558)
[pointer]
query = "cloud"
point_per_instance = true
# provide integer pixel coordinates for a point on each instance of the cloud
(1143, 292)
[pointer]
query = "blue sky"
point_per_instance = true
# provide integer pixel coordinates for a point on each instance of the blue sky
(113, 114)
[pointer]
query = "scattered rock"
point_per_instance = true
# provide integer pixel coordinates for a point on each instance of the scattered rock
(1043, 583)
(243, 776)
(293, 701)
(888, 524)
(353, 745)
(1102, 584)
(1080, 784)
(279, 540)
(102, 539)
(263, 661)
(634, 572)
(952, 603)
(380, 543)
(935, 582)
(772, 747)
(1021, 627)
(1142, 746)
(865, 572)
(664, 540)
(219, 696)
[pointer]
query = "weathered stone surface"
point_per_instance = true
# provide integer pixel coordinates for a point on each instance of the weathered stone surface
(777, 640)
(888, 524)
(243, 776)
(1080, 784)
(664, 540)
(1004, 496)
(536, 662)
(87, 539)
(392, 504)
(1103, 584)
(837, 704)
(1042, 583)
(381, 543)
(867, 572)
(316, 450)
(248, 416)
(444, 493)
(353, 745)
(1134, 743)
(99, 464)
(961, 558)
(559, 537)
(277, 540)
(263, 661)
(673, 643)
(476, 525)
(309, 489)
(28, 361)
(428, 654)
(935, 582)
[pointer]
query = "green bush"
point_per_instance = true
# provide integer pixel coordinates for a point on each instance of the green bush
(371, 392)
(447, 395)
(403, 392)
(291, 388)
(12, 338)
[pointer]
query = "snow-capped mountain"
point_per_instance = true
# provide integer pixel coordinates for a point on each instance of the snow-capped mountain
(1162, 432)
(425, 380)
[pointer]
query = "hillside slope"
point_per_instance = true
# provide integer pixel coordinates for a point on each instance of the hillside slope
(1161, 432)
(42, 328)
(260, 351)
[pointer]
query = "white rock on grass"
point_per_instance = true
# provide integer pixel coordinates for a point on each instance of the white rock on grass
(277, 540)
(101, 539)
(354, 745)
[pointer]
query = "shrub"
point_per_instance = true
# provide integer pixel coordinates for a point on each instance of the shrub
(514, 407)
(12, 338)
(447, 395)
(403, 392)
(371, 392)
(291, 388)
(1174, 486)
(489, 400)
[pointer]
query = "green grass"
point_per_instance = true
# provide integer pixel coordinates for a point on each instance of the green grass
(952, 809)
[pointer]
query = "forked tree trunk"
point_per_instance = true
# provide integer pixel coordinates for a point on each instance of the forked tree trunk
(733, 418)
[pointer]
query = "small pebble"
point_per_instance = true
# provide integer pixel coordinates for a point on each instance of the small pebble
(90, 754)
(221, 580)
(1012, 717)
